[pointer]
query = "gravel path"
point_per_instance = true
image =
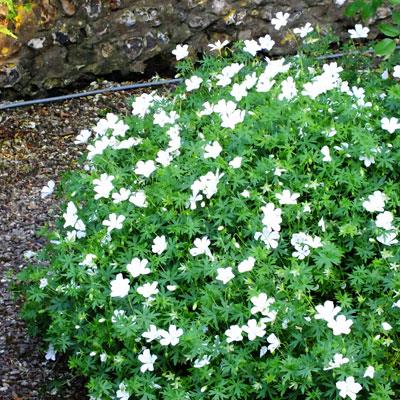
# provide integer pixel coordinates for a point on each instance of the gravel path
(36, 145)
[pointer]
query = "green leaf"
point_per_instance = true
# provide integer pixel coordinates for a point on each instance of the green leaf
(389, 29)
(396, 17)
(353, 8)
(367, 11)
(385, 47)
(7, 32)
(328, 255)
(394, 2)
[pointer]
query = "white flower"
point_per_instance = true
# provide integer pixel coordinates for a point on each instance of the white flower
(264, 84)
(218, 45)
(138, 199)
(326, 154)
(340, 2)
(193, 83)
(114, 221)
(301, 252)
(148, 289)
(103, 186)
(83, 137)
(368, 160)
(263, 351)
(127, 143)
(286, 197)
(386, 326)
(70, 215)
(246, 265)
(396, 304)
(145, 168)
(212, 150)
(269, 237)
(280, 20)
(118, 315)
(170, 337)
(266, 43)
(275, 67)
(207, 184)
(396, 71)
(238, 91)
(340, 325)
(104, 124)
(43, 283)
(164, 157)
(254, 329)
(152, 334)
(159, 245)
(48, 189)
(274, 342)
(99, 146)
(103, 357)
(122, 393)
(391, 125)
(272, 217)
(180, 51)
(349, 388)
(119, 286)
(234, 334)
(278, 171)
(200, 363)
(388, 239)
(201, 247)
(141, 105)
(375, 202)
(321, 224)
(29, 254)
(369, 372)
(120, 128)
(138, 267)
(251, 47)
(161, 118)
(384, 220)
(208, 109)
(328, 311)
(236, 162)
(338, 361)
(262, 305)
(225, 275)
(50, 353)
(147, 359)
(359, 32)
(289, 90)
(304, 30)
(120, 196)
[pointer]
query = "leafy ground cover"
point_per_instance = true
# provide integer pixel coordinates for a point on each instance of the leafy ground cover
(236, 239)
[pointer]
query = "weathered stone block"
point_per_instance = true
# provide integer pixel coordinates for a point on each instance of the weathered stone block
(60, 41)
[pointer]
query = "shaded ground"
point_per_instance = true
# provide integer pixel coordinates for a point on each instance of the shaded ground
(36, 145)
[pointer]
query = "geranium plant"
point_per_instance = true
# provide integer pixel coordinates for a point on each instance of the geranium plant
(235, 239)
(390, 29)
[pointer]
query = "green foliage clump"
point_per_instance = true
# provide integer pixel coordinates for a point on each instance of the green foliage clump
(368, 9)
(235, 239)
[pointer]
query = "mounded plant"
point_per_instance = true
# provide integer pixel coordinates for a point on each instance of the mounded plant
(234, 239)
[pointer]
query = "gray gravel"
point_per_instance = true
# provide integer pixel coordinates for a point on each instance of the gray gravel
(36, 145)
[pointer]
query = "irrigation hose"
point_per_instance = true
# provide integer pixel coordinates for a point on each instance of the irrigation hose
(89, 93)
(18, 104)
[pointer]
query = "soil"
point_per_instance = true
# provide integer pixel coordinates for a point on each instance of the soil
(37, 145)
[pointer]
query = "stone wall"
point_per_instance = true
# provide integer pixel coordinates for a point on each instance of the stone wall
(61, 42)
